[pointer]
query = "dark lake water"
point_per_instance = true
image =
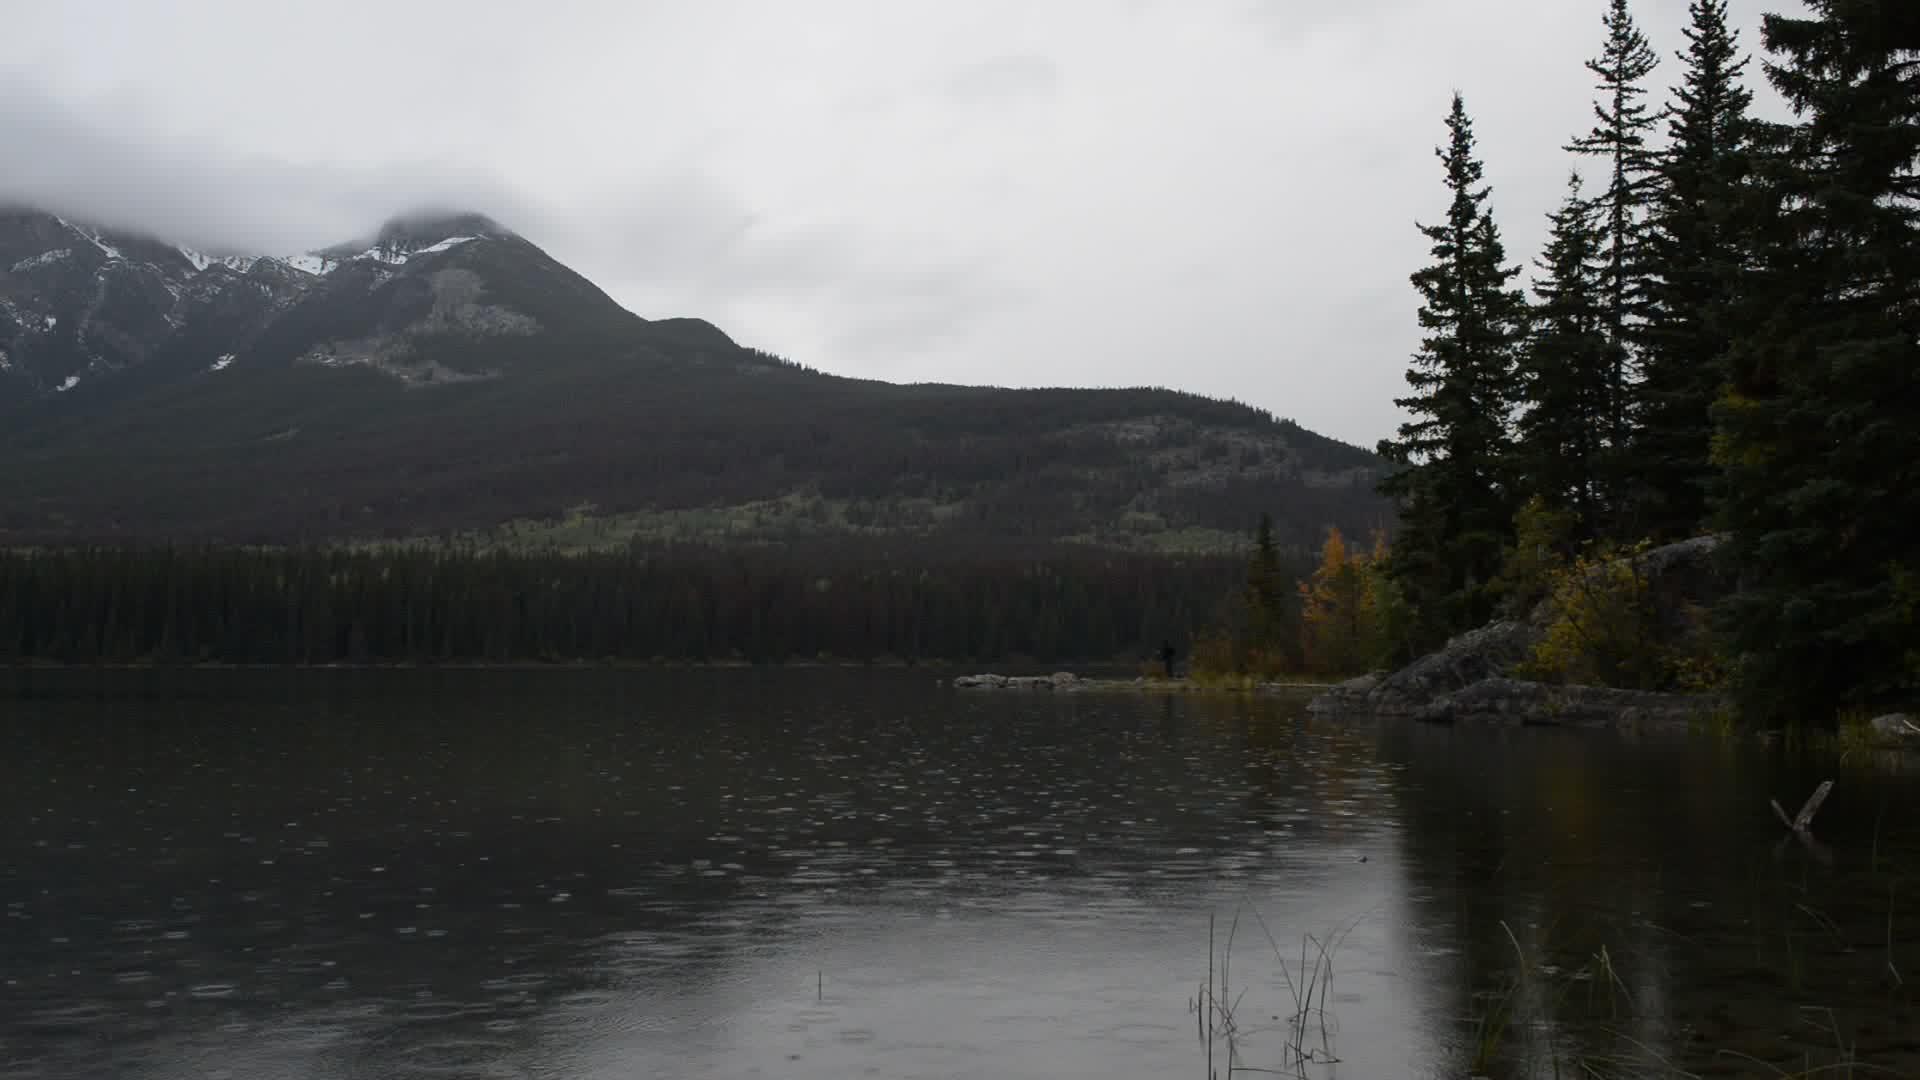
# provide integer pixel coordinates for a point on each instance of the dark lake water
(827, 874)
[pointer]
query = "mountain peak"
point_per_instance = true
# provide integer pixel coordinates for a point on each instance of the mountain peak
(424, 228)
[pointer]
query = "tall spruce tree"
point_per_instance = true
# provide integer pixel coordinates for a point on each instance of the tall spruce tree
(1697, 250)
(1622, 122)
(1266, 592)
(1565, 371)
(1820, 427)
(1455, 492)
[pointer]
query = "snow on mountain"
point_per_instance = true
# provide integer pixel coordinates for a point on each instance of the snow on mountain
(121, 298)
(201, 260)
(42, 259)
(391, 253)
(399, 256)
(92, 236)
(106, 249)
(443, 245)
(306, 264)
(315, 263)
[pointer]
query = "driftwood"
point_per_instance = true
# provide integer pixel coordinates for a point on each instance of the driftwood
(1801, 822)
(1800, 825)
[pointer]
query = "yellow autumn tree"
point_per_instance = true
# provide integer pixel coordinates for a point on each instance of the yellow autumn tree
(1340, 610)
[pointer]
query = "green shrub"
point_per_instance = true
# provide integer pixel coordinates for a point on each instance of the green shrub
(1543, 541)
(1610, 627)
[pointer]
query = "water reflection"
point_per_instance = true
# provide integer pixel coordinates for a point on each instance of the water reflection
(840, 874)
(1626, 905)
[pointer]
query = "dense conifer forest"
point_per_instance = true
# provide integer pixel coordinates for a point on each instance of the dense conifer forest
(445, 605)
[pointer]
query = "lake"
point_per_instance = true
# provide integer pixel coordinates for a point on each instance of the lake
(831, 874)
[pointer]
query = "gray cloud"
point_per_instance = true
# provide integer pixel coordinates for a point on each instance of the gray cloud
(198, 191)
(1217, 196)
(1004, 78)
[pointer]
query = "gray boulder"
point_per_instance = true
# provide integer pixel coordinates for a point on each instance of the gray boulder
(1896, 728)
(1059, 680)
(1347, 697)
(1490, 651)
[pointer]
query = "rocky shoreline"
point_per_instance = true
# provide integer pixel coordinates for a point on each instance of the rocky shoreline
(1069, 683)
(1471, 679)
(1413, 694)
(1501, 700)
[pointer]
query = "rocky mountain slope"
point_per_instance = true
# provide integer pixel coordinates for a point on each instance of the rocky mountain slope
(446, 376)
(81, 304)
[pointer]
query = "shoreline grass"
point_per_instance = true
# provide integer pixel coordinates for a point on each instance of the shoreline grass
(1528, 1023)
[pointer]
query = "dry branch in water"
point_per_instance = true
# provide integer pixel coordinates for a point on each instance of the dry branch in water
(1801, 822)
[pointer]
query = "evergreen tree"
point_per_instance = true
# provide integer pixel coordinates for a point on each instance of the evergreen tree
(1697, 250)
(1454, 489)
(1267, 615)
(1820, 426)
(1619, 137)
(1565, 372)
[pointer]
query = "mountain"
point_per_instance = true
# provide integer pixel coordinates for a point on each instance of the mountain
(81, 304)
(447, 376)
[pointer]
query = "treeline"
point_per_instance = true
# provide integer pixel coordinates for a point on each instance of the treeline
(418, 605)
(1723, 336)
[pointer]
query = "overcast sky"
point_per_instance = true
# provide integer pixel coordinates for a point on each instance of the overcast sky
(1215, 196)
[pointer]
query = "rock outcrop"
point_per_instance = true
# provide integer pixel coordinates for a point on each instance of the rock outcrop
(1517, 701)
(1896, 729)
(1477, 655)
(1352, 696)
(1067, 682)
(1059, 680)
